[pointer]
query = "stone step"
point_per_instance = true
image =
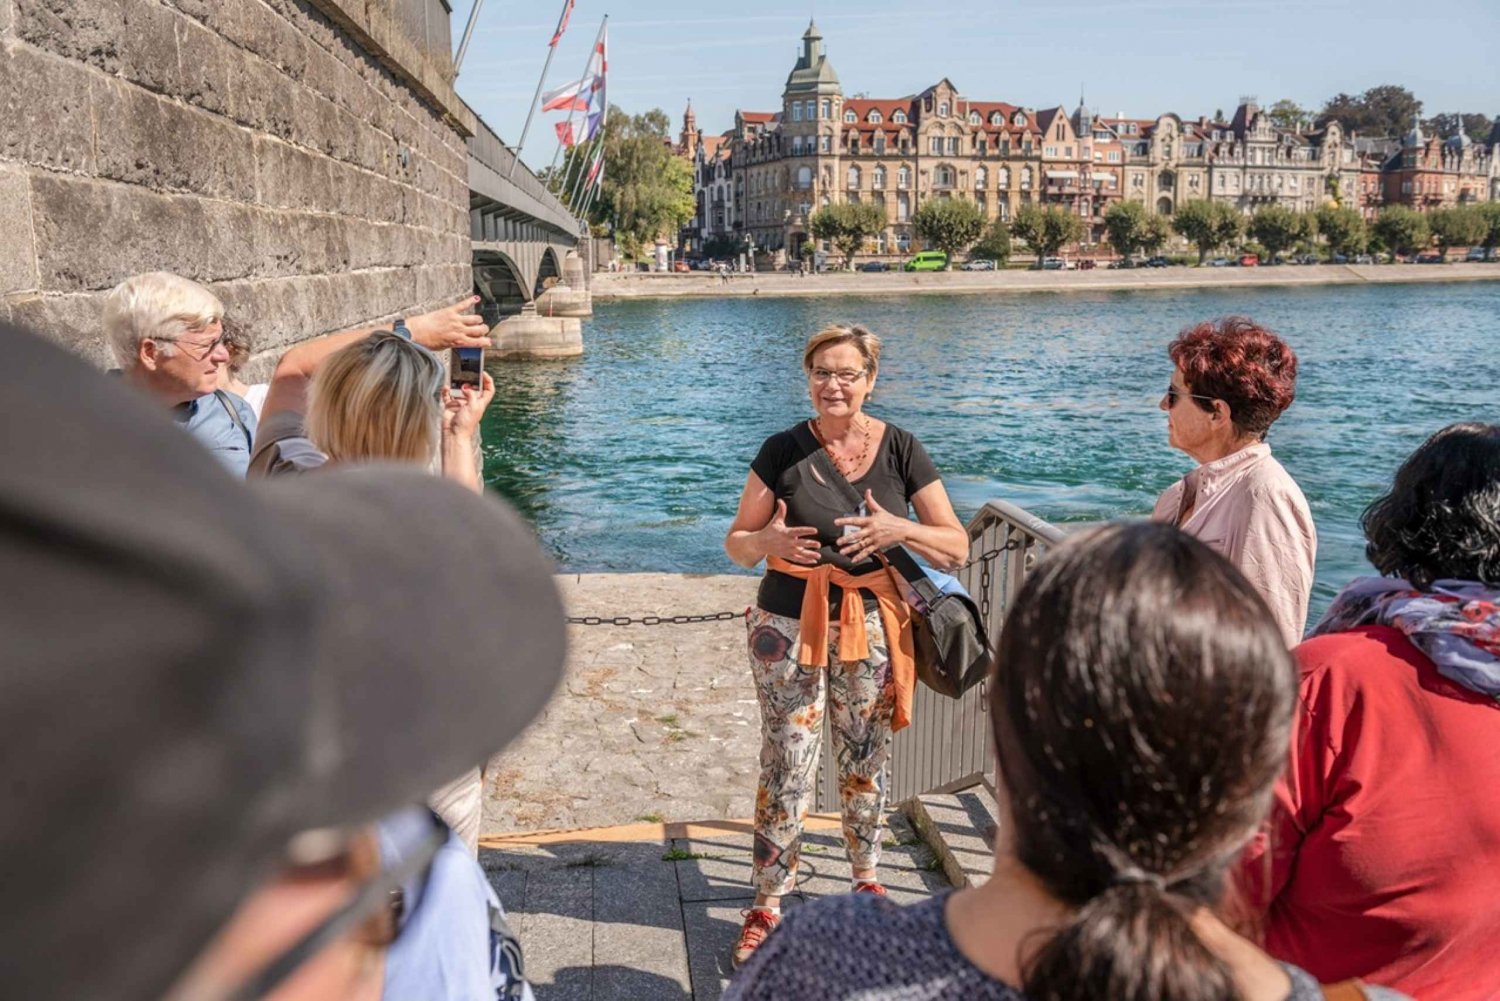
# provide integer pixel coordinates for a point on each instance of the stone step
(959, 828)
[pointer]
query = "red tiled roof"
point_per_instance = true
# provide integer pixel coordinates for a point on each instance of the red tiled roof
(758, 117)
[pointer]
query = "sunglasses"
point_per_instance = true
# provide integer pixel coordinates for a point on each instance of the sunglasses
(1174, 394)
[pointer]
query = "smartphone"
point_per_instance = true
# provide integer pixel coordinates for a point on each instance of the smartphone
(863, 512)
(467, 368)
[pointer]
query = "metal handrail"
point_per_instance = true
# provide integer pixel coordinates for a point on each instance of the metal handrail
(947, 747)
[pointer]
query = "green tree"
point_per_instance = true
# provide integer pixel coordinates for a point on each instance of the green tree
(1475, 124)
(949, 224)
(1278, 228)
(1126, 224)
(847, 225)
(1046, 229)
(1402, 230)
(1155, 234)
(1208, 225)
(1344, 229)
(994, 245)
(1386, 110)
(647, 191)
(1459, 226)
(1490, 212)
(1286, 114)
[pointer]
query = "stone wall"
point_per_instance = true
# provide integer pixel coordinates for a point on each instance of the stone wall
(305, 158)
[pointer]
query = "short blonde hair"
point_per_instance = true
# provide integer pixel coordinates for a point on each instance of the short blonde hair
(156, 306)
(844, 333)
(378, 398)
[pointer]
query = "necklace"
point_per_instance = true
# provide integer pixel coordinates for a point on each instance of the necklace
(864, 429)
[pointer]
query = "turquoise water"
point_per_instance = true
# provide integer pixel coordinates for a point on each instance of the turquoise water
(632, 457)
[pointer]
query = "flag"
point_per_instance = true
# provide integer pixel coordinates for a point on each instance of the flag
(565, 133)
(591, 126)
(596, 169)
(562, 23)
(573, 97)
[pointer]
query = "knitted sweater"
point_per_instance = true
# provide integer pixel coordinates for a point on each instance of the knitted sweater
(859, 946)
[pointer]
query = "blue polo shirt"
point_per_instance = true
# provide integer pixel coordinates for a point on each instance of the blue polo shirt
(207, 420)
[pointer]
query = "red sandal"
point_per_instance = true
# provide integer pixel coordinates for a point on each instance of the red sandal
(759, 923)
(868, 886)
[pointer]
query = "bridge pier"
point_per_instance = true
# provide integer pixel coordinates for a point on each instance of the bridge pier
(529, 336)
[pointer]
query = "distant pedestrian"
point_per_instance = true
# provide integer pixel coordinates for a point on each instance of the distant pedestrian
(241, 346)
(1233, 379)
(830, 637)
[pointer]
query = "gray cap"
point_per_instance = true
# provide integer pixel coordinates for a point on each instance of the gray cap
(192, 670)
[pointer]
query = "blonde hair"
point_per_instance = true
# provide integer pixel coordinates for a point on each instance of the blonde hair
(842, 333)
(378, 399)
(157, 306)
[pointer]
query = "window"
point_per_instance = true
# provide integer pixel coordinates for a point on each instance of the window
(880, 142)
(850, 116)
(804, 178)
(1114, 156)
(1004, 211)
(981, 177)
(943, 110)
(1068, 152)
(1025, 178)
(796, 145)
(853, 197)
(852, 178)
(874, 117)
(1004, 178)
(903, 206)
(974, 118)
(996, 118)
(796, 111)
(1018, 120)
(982, 145)
(936, 143)
(903, 243)
(1026, 147)
(903, 177)
(825, 144)
(943, 177)
(827, 109)
(953, 145)
(1049, 151)
(1004, 148)
(899, 117)
(878, 179)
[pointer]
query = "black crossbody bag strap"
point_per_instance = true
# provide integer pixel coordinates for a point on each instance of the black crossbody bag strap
(234, 415)
(897, 556)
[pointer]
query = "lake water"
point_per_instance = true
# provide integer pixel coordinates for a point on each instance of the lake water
(632, 457)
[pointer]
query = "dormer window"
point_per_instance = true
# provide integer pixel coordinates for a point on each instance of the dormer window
(996, 118)
(943, 109)
(899, 117)
(873, 117)
(850, 116)
(974, 118)
(1018, 120)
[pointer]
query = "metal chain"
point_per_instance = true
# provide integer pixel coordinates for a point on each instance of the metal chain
(652, 620)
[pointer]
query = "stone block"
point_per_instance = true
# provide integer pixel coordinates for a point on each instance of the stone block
(87, 30)
(146, 140)
(92, 234)
(289, 177)
(72, 321)
(261, 98)
(148, 53)
(253, 27)
(18, 250)
(212, 70)
(7, 12)
(45, 111)
(292, 243)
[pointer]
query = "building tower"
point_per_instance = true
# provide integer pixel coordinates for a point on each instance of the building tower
(687, 142)
(812, 108)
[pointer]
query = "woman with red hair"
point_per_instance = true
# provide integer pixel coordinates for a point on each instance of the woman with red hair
(1232, 380)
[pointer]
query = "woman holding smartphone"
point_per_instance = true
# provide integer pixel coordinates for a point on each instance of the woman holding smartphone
(825, 633)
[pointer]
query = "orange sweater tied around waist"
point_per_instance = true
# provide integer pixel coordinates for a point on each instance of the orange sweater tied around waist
(854, 642)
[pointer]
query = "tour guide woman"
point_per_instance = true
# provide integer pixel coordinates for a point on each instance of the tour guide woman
(829, 627)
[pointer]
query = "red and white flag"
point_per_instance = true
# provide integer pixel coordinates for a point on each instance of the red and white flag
(596, 169)
(562, 23)
(572, 97)
(565, 133)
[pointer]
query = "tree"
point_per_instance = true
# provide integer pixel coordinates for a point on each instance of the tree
(1278, 228)
(1126, 223)
(1475, 124)
(949, 224)
(1286, 114)
(847, 225)
(1387, 110)
(1490, 213)
(1154, 235)
(1402, 230)
(1344, 229)
(647, 191)
(995, 244)
(1046, 230)
(1459, 226)
(1208, 225)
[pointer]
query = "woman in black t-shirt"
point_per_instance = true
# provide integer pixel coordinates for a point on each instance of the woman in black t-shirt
(812, 647)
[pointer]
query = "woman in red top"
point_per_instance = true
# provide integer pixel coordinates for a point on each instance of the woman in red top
(1385, 857)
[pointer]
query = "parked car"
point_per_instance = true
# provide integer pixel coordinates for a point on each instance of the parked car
(1051, 264)
(1479, 254)
(927, 260)
(1219, 262)
(1087, 264)
(1157, 262)
(874, 266)
(978, 264)
(1305, 259)
(1360, 259)
(1248, 260)
(1429, 259)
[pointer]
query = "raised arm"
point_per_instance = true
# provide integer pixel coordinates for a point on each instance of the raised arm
(461, 420)
(760, 530)
(450, 327)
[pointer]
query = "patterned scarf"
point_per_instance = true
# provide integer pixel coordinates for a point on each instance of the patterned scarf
(1456, 623)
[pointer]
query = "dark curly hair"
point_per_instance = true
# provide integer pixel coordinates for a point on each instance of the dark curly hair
(1441, 518)
(1235, 360)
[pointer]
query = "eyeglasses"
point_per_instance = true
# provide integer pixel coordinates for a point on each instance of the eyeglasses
(1174, 394)
(845, 376)
(207, 349)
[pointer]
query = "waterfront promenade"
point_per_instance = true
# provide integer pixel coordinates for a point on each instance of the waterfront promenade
(636, 285)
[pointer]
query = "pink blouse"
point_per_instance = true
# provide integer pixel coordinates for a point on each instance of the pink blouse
(1246, 507)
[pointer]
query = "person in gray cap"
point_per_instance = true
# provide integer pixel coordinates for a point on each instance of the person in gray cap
(211, 690)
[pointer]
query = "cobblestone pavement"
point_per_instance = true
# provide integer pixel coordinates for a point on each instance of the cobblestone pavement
(652, 722)
(605, 920)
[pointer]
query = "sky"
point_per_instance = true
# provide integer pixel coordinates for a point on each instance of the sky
(1142, 57)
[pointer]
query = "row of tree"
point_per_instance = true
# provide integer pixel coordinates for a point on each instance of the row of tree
(1387, 110)
(954, 225)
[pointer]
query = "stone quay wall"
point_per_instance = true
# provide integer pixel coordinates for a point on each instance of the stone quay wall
(304, 158)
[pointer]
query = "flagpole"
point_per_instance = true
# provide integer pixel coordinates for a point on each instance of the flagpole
(576, 187)
(540, 83)
(463, 46)
(573, 110)
(576, 190)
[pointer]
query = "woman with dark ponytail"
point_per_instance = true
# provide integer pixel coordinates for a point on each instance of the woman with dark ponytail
(1141, 706)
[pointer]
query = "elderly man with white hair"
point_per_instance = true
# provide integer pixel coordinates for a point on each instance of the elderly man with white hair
(167, 335)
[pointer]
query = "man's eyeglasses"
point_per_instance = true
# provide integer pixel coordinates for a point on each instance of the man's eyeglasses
(845, 376)
(205, 349)
(1174, 394)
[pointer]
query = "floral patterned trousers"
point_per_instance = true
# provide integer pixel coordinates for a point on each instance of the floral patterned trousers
(858, 698)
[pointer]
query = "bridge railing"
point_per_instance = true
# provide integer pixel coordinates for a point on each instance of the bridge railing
(520, 189)
(947, 745)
